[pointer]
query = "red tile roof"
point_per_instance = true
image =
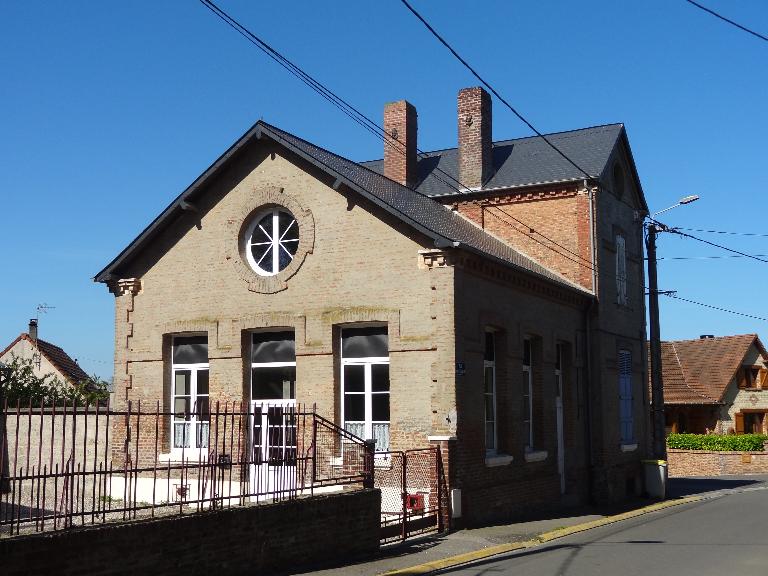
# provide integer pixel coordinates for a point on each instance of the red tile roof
(699, 371)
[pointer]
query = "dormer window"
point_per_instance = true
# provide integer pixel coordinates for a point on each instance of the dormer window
(271, 241)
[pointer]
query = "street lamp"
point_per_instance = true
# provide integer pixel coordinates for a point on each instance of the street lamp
(657, 385)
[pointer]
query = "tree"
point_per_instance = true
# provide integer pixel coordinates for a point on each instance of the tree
(23, 386)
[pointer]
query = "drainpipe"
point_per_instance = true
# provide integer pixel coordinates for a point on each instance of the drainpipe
(591, 199)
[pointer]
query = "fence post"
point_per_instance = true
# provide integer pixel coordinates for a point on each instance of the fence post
(5, 472)
(370, 449)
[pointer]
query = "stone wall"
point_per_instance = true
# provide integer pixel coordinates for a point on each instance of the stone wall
(706, 463)
(257, 540)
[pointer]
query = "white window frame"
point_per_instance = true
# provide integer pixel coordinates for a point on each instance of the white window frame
(528, 391)
(368, 393)
(626, 400)
(490, 364)
(621, 270)
(193, 450)
(271, 365)
(275, 239)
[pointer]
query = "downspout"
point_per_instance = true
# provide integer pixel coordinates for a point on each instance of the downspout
(591, 199)
(588, 352)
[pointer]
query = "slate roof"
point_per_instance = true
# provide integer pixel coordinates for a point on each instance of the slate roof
(523, 161)
(444, 226)
(699, 371)
(62, 361)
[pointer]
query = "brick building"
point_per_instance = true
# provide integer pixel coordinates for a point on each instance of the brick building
(487, 299)
(717, 384)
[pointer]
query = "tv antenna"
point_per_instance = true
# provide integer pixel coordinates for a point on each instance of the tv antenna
(41, 308)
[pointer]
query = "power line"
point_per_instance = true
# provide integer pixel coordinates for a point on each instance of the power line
(658, 259)
(351, 111)
(675, 231)
(374, 128)
(724, 19)
(355, 114)
(723, 232)
(532, 231)
(492, 89)
(715, 307)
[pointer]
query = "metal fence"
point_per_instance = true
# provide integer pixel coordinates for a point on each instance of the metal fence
(413, 492)
(70, 465)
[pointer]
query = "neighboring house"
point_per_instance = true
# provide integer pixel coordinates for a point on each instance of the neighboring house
(48, 358)
(407, 311)
(716, 384)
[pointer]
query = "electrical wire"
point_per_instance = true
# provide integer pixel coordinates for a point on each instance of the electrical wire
(714, 307)
(351, 111)
(723, 232)
(753, 257)
(375, 129)
(724, 19)
(540, 242)
(532, 231)
(659, 259)
(492, 89)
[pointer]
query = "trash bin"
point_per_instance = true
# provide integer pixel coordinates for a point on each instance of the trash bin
(656, 478)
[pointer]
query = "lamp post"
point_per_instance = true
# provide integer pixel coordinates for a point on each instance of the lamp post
(657, 384)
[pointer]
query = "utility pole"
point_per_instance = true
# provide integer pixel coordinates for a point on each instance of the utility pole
(657, 385)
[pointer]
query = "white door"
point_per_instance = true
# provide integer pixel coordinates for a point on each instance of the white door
(273, 452)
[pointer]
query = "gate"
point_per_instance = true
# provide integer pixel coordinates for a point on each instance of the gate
(413, 493)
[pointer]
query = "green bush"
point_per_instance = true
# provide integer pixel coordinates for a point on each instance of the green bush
(717, 442)
(23, 387)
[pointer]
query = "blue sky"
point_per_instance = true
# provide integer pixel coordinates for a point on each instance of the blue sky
(110, 109)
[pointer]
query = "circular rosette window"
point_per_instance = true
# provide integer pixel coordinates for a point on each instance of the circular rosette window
(271, 241)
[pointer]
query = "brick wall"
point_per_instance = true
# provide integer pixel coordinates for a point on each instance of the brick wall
(705, 463)
(255, 540)
(559, 214)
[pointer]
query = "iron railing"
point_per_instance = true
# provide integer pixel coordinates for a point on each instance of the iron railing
(69, 465)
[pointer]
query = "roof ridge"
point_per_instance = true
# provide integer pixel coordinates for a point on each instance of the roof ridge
(508, 140)
(710, 339)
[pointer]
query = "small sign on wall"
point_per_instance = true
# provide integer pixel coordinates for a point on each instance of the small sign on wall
(460, 369)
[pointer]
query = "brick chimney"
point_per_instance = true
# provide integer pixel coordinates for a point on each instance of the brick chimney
(33, 329)
(400, 151)
(475, 138)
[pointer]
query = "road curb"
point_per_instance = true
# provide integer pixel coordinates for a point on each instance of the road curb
(475, 555)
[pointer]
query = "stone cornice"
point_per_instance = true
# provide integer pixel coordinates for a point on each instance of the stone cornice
(125, 286)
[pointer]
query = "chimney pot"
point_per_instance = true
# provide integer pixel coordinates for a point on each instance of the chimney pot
(33, 329)
(474, 112)
(400, 128)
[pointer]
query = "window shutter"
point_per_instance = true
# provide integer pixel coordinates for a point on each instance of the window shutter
(621, 270)
(626, 416)
(761, 378)
(739, 423)
(742, 377)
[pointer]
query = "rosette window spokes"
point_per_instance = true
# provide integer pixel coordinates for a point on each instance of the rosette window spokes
(271, 241)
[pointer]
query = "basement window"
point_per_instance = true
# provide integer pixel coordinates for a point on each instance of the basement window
(271, 241)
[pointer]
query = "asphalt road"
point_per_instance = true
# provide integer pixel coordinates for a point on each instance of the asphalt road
(727, 533)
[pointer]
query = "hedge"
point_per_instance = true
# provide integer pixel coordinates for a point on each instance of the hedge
(717, 442)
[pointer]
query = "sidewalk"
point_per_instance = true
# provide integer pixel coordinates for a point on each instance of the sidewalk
(426, 554)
